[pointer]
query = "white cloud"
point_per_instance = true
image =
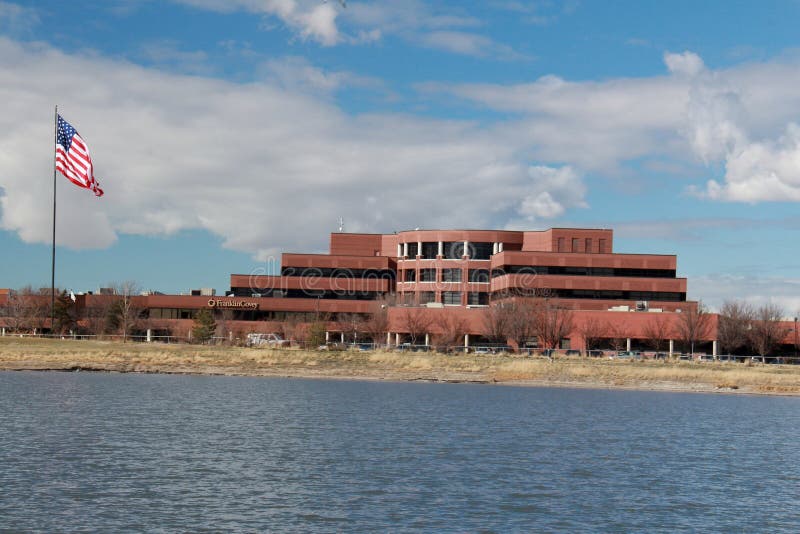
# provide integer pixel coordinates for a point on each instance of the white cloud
(417, 22)
(309, 19)
(741, 119)
(263, 166)
(552, 192)
(298, 74)
(685, 64)
(168, 54)
(468, 44)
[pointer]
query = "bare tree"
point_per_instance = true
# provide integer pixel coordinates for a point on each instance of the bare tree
(377, 325)
(97, 316)
(27, 310)
(592, 330)
(350, 324)
(554, 323)
(766, 330)
(451, 330)
(223, 328)
(126, 310)
(521, 320)
(15, 311)
(290, 327)
(495, 323)
(617, 338)
(735, 320)
(694, 325)
(657, 332)
(416, 322)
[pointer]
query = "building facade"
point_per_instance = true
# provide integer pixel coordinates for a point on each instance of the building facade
(441, 277)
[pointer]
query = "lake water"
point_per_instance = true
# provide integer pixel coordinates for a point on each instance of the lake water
(112, 452)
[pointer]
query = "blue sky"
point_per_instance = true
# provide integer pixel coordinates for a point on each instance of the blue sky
(225, 132)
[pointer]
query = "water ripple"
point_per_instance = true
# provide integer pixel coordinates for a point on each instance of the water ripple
(108, 452)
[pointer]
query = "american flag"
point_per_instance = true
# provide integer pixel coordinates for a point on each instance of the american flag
(73, 159)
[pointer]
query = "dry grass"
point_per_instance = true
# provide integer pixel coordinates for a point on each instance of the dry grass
(17, 353)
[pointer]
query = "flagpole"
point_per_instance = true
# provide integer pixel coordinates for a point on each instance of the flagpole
(53, 256)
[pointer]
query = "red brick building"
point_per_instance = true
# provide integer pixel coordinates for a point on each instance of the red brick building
(440, 276)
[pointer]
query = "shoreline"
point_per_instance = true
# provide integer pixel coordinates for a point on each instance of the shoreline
(509, 370)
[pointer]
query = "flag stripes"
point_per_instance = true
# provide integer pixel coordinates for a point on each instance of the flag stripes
(73, 159)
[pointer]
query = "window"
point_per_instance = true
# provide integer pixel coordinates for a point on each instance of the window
(561, 244)
(413, 250)
(410, 275)
(451, 275)
(479, 275)
(451, 298)
(426, 297)
(602, 246)
(429, 250)
(575, 244)
(427, 275)
(478, 299)
(453, 250)
(480, 251)
(588, 245)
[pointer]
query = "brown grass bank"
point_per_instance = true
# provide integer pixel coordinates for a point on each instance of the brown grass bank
(44, 354)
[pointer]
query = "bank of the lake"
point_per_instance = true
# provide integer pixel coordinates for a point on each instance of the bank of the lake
(66, 355)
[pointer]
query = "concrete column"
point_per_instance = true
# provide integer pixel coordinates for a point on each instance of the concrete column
(494, 248)
(419, 248)
(500, 247)
(3, 332)
(427, 339)
(230, 336)
(671, 346)
(441, 248)
(342, 337)
(628, 344)
(714, 349)
(327, 337)
(405, 249)
(466, 248)
(388, 339)
(399, 250)
(397, 338)
(149, 335)
(466, 341)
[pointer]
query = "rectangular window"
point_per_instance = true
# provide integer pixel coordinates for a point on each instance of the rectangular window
(429, 250)
(427, 275)
(451, 275)
(426, 297)
(410, 275)
(575, 244)
(602, 246)
(480, 251)
(413, 250)
(480, 276)
(478, 299)
(561, 244)
(453, 250)
(588, 245)
(451, 298)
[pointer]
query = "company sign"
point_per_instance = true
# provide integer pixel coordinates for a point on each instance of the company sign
(237, 304)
